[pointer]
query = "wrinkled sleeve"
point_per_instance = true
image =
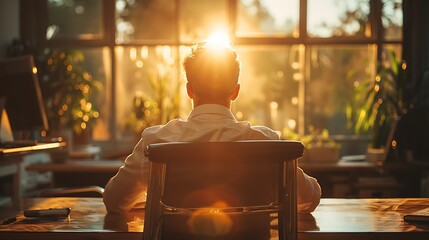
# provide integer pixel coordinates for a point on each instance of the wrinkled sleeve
(308, 189)
(128, 187)
(309, 192)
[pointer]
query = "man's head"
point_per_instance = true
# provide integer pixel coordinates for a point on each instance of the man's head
(212, 75)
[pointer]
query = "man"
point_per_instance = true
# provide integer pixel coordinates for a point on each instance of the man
(212, 84)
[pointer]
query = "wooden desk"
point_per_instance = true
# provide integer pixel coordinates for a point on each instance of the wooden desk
(75, 173)
(12, 162)
(79, 166)
(365, 180)
(347, 219)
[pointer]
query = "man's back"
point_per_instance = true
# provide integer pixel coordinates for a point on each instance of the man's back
(206, 123)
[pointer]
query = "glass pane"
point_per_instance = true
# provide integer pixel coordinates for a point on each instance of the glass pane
(334, 71)
(270, 78)
(73, 19)
(148, 88)
(142, 19)
(268, 18)
(397, 48)
(70, 75)
(199, 19)
(98, 62)
(392, 17)
(338, 18)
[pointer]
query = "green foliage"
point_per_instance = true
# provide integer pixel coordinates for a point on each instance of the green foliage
(163, 104)
(71, 90)
(167, 95)
(145, 113)
(315, 138)
(378, 102)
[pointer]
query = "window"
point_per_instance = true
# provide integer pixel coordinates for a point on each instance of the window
(148, 87)
(145, 20)
(332, 76)
(270, 80)
(300, 58)
(75, 19)
(392, 19)
(268, 18)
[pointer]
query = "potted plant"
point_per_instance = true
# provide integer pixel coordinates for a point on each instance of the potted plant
(145, 113)
(319, 147)
(70, 94)
(160, 101)
(378, 103)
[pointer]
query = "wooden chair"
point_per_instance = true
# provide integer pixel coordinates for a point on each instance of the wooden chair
(221, 190)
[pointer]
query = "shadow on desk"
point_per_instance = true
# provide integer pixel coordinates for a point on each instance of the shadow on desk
(39, 221)
(420, 225)
(306, 221)
(123, 222)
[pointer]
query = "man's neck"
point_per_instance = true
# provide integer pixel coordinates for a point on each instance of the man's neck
(197, 103)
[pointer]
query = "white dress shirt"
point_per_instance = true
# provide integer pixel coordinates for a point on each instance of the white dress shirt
(208, 122)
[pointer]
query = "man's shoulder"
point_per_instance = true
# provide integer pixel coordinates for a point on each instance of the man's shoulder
(151, 129)
(266, 131)
(161, 131)
(262, 128)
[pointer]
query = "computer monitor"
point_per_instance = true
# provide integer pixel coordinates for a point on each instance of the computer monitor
(19, 86)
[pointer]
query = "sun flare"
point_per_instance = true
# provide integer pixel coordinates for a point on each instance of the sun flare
(219, 39)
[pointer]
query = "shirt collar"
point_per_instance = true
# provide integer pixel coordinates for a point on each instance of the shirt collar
(212, 109)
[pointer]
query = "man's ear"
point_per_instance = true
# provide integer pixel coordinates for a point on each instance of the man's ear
(234, 95)
(189, 90)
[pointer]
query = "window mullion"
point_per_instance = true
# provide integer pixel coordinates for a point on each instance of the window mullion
(377, 25)
(232, 19)
(303, 20)
(304, 55)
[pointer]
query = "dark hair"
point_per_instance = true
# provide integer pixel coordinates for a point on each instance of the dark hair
(212, 71)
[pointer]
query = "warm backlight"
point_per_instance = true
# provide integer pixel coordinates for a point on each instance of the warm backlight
(218, 39)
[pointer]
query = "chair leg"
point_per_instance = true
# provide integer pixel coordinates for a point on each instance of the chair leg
(288, 226)
(153, 210)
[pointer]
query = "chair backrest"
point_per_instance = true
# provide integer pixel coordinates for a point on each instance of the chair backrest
(221, 175)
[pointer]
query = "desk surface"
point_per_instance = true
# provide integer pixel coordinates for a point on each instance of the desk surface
(334, 218)
(12, 159)
(69, 166)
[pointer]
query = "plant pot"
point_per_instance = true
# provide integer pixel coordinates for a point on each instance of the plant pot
(82, 138)
(374, 155)
(323, 154)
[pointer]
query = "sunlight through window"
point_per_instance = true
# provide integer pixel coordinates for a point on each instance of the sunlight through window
(219, 39)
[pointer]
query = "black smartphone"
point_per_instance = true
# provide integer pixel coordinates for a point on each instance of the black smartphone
(51, 212)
